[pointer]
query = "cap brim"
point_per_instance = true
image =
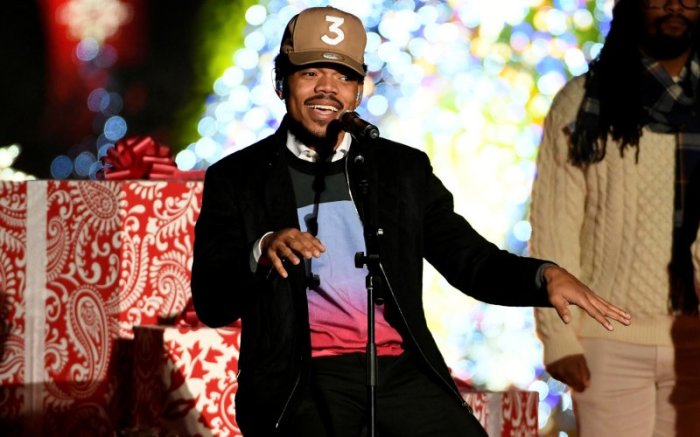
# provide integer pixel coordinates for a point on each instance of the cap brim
(326, 57)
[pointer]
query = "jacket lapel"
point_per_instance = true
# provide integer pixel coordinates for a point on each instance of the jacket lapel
(280, 203)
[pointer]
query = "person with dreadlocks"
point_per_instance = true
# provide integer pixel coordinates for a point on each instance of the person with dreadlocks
(616, 202)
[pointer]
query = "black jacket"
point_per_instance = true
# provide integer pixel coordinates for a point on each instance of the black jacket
(249, 193)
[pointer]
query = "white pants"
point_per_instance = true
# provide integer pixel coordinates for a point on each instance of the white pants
(639, 390)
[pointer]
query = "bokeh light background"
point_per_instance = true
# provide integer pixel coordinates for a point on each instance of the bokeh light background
(467, 81)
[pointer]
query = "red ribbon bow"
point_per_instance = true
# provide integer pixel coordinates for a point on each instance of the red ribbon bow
(142, 158)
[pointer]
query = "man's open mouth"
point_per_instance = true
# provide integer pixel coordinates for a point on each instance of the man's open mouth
(325, 108)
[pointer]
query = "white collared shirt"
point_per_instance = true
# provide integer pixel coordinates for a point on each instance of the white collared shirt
(306, 153)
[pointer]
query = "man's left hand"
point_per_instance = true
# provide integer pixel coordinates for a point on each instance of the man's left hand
(565, 289)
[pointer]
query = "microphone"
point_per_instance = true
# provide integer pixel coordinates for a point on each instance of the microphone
(352, 123)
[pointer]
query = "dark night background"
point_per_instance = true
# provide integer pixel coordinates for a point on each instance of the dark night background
(43, 104)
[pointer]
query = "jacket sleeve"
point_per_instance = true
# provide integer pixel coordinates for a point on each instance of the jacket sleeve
(221, 274)
(556, 215)
(469, 262)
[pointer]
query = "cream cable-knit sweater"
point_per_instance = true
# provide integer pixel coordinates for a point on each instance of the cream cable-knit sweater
(609, 224)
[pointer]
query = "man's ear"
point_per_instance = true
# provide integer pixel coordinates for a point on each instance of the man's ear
(358, 97)
(279, 88)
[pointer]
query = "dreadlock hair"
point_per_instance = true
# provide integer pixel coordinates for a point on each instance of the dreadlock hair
(615, 77)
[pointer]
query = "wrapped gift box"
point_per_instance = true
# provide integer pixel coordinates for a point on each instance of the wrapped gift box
(185, 382)
(81, 262)
(13, 258)
(505, 414)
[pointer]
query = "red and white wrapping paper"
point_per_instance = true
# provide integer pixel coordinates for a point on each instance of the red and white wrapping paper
(505, 414)
(185, 380)
(13, 259)
(81, 262)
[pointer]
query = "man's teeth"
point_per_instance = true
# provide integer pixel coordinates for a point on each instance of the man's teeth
(324, 108)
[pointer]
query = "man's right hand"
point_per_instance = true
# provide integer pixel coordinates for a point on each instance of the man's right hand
(572, 370)
(289, 243)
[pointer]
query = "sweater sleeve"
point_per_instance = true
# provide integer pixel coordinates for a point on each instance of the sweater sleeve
(556, 215)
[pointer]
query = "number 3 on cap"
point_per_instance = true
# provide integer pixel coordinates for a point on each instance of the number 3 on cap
(334, 28)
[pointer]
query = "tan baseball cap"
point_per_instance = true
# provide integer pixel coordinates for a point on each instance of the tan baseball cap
(325, 35)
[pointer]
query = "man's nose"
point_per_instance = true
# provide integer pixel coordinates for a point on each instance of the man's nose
(326, 83)
(673, 5)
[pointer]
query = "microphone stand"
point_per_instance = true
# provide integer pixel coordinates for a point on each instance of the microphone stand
(370, 259)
